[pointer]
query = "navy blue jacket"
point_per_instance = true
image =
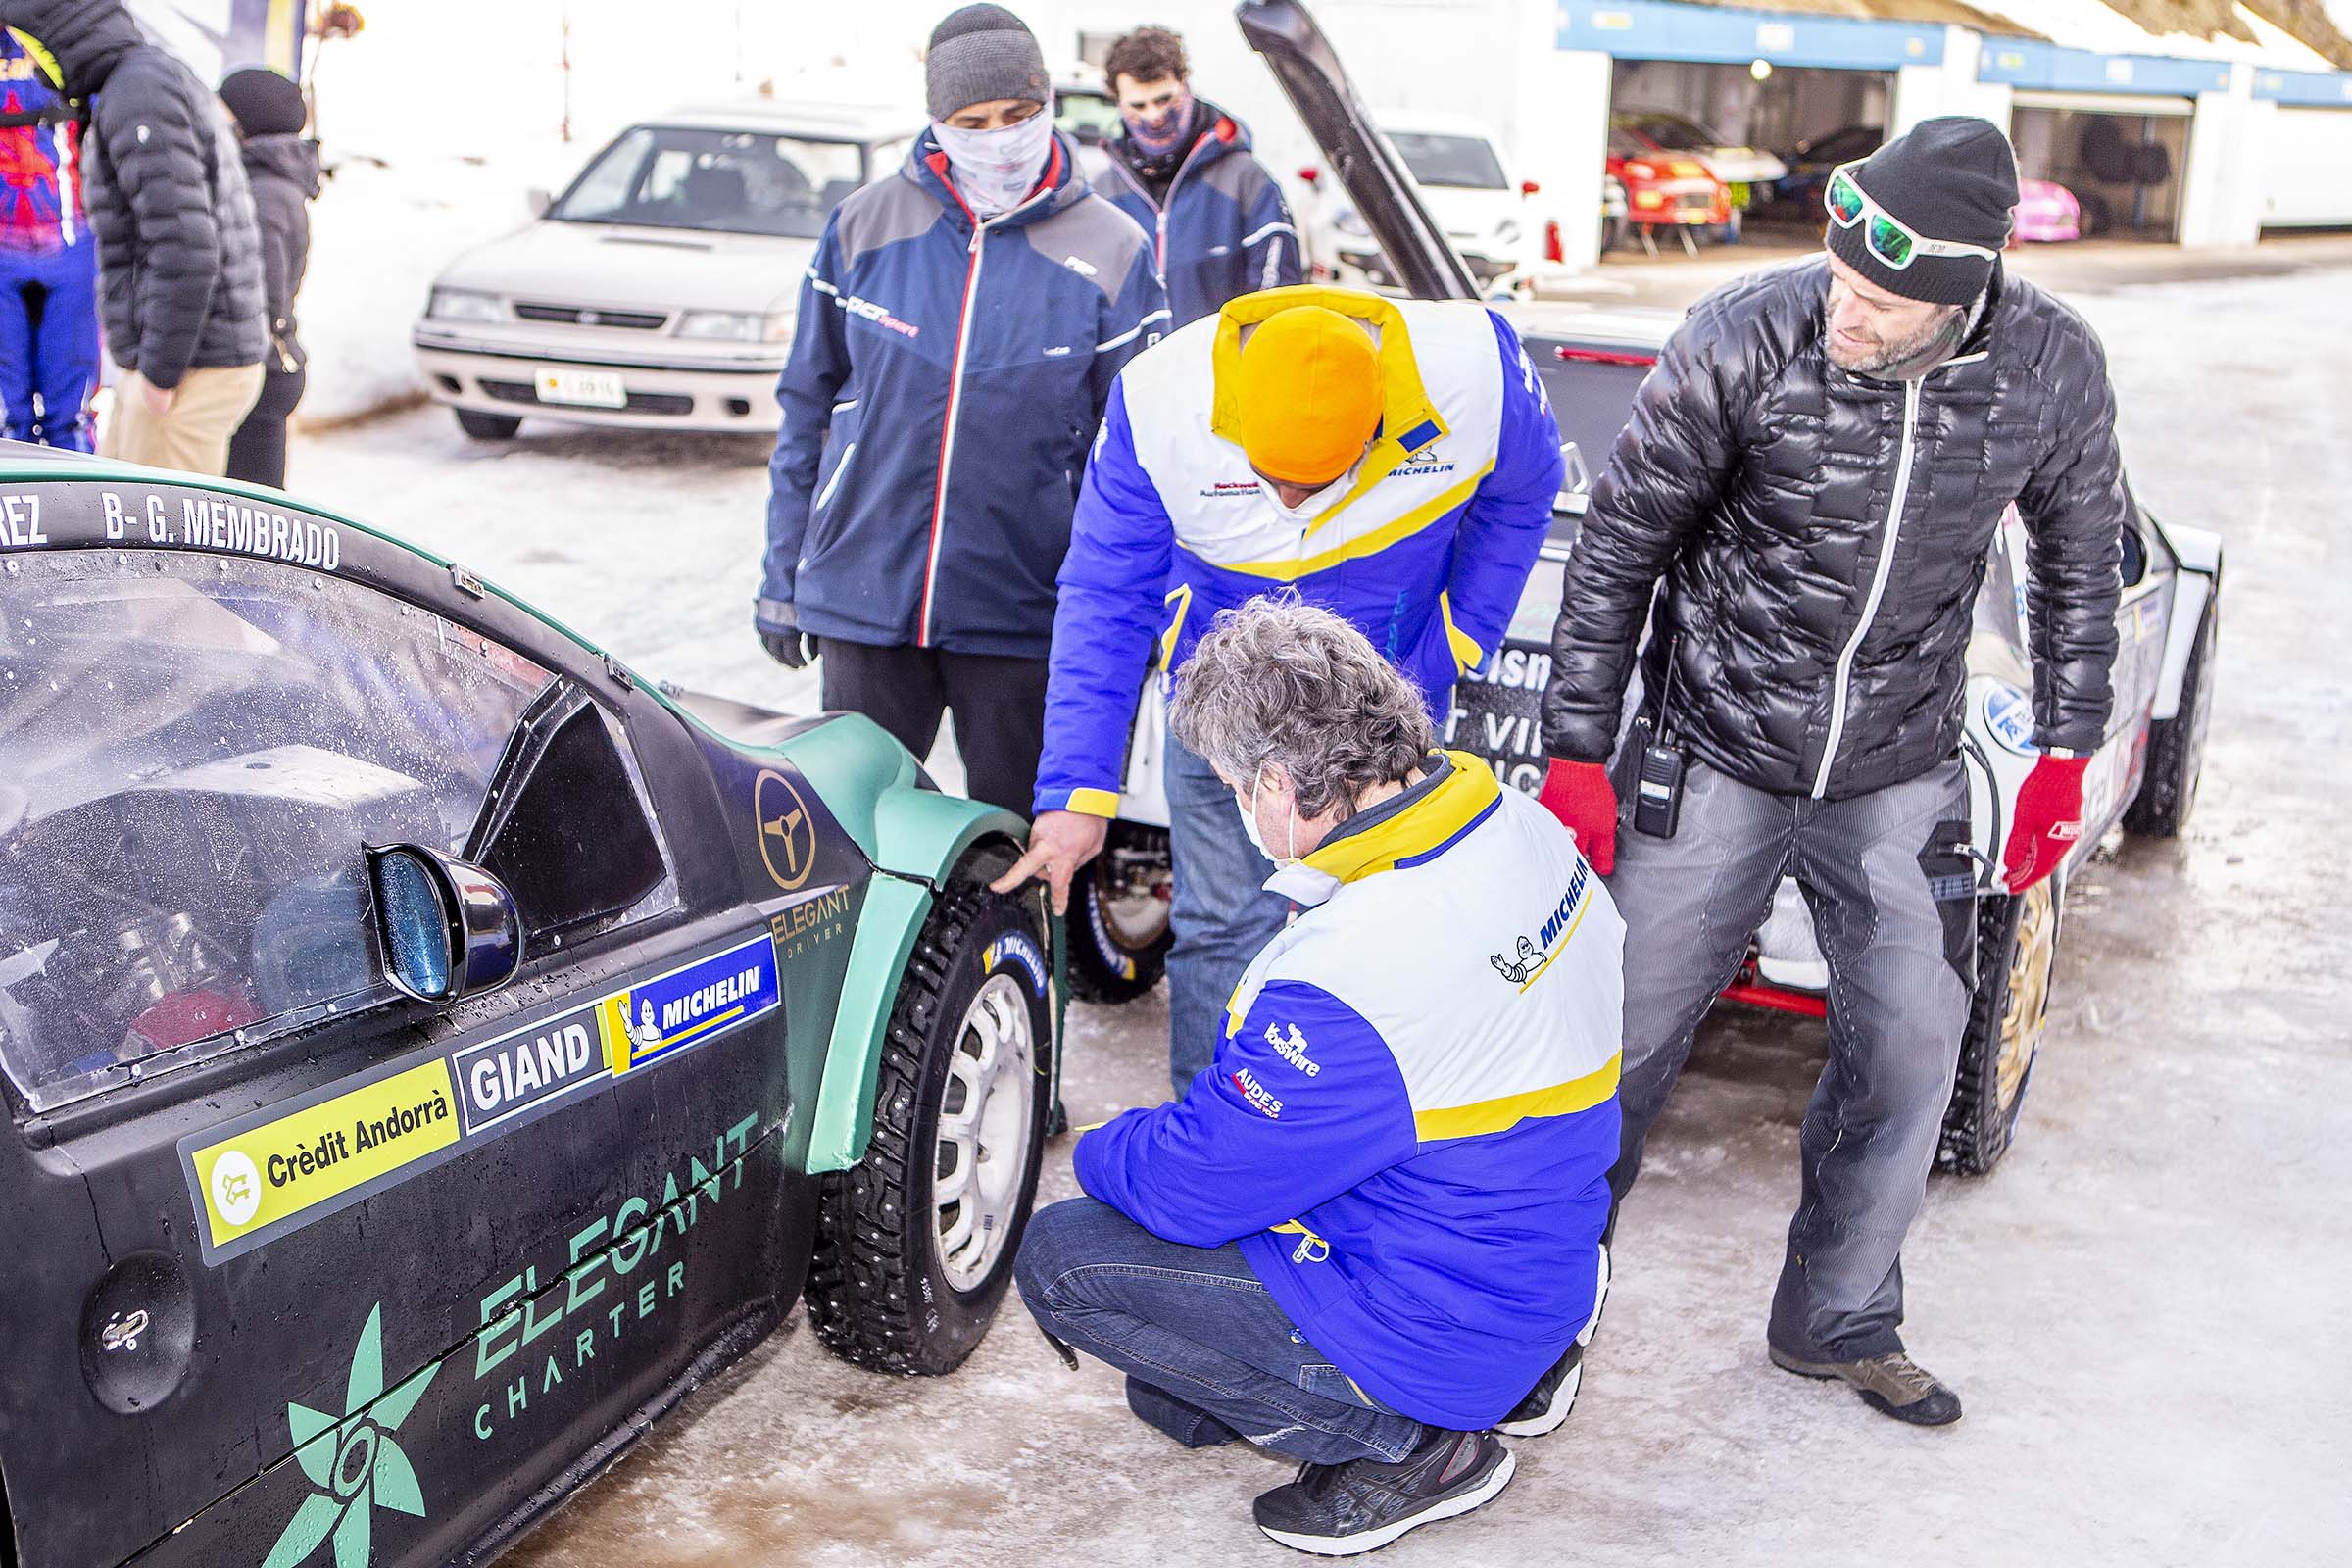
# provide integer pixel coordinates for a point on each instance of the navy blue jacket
(946, 382)
(1224, 229)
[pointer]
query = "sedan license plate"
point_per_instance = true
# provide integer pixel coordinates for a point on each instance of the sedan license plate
(592, 389)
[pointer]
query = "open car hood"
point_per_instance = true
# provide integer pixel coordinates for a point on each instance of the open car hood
(1375, 178)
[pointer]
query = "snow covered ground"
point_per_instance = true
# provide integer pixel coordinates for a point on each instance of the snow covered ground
(2140, 1307)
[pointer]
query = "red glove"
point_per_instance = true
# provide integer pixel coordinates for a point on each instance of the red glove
(2048, 821)
(1578, 793)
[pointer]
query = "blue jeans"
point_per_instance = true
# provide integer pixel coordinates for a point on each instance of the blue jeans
(1222, 914)
(1208, 1356)
(1894, 903)
(49, 342)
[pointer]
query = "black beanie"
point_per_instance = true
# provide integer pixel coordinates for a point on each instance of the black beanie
(981, 53)
(1950, 178)
(264, 103)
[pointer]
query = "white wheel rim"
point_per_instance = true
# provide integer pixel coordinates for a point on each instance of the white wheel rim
(984, 1107)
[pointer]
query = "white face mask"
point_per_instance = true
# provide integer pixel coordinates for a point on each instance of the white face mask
(1312, 506)
(996, 169)
(1249, 827)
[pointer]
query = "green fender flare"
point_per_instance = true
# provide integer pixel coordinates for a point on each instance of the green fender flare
(916, 838)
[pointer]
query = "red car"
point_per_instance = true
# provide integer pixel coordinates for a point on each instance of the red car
(1666, 187)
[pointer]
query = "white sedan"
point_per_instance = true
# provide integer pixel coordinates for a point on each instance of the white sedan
(659, 290)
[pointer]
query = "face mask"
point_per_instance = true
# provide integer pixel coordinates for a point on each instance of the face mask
(1249, 828)
(1312, 506)
(996, 169)
(1160, 136)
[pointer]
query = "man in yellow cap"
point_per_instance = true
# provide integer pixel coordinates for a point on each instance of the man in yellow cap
(1391, 461)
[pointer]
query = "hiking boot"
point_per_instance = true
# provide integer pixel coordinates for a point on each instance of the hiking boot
(1337, 1510)
(1892, 1385)
(1600, 1298)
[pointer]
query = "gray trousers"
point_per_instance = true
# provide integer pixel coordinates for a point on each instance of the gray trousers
(1892, 895)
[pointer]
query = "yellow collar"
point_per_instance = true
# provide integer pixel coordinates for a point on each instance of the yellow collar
(1409, 420)
(1429, 822)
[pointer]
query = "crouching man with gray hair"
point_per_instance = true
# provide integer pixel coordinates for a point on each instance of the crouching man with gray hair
(1368, 1239)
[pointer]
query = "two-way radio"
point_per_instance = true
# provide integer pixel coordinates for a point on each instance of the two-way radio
(1659, 787)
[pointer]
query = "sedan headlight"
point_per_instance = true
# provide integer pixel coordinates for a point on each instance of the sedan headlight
(465, 305)
(738, 326)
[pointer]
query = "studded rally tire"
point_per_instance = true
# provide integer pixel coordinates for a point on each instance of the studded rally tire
(2168, 790)
(2017, 947)
(914, 1243)
(487, 427)
(1119, 931)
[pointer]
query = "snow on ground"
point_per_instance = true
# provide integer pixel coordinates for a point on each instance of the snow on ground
(2139, 1307)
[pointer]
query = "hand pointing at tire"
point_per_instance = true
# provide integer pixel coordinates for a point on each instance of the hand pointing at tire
(1060, 843)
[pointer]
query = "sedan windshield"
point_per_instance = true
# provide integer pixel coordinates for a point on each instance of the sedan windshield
(1464, 162)
(731, 181)
(1673, 133)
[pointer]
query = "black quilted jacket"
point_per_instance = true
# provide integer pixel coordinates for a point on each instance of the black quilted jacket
(178, 257)
(1767, 487)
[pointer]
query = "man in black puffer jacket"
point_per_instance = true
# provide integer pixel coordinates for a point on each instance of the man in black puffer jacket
(282, 167)
(179, 259)
(1816, 469)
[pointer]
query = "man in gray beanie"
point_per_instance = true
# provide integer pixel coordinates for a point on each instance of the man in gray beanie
(1817, 468)
(959, 333)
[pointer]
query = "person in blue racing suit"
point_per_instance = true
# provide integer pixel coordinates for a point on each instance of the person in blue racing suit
(1368, 1239)
(48, 259)
(1181, 168)
(1391, 461)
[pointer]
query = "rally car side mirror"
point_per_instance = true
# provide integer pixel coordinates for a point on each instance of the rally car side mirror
(449, 928)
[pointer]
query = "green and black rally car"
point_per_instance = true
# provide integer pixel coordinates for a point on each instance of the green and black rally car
(428, 1050)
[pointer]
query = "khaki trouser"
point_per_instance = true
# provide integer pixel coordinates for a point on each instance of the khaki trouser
(193, 434)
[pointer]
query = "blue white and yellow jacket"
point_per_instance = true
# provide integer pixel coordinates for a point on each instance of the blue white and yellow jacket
(1410, 1123)
(1424, 547)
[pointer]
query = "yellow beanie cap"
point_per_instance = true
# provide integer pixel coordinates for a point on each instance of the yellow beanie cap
(1309, 395)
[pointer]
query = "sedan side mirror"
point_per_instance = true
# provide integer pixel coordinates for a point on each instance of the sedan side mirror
(1528, 187)
(450, 929)
(538, 199)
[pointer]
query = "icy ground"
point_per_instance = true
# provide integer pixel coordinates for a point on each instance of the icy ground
(2143, 1308)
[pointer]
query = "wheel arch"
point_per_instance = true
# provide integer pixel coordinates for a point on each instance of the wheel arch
(897, 903)
(2197, 583)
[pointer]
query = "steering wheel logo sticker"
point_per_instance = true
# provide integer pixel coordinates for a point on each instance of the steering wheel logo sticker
(787, 830)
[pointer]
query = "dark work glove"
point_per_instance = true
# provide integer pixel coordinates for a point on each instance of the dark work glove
(791, 648)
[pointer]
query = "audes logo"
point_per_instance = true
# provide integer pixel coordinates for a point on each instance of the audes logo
(787, 830)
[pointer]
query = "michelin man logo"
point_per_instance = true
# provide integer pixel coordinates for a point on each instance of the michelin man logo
(1518, 968)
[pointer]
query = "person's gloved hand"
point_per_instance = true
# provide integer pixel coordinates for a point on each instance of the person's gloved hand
(2048, 820)
(1581, 796)
(791, 648)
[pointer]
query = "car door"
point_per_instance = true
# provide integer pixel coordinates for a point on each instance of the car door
(356, 1277)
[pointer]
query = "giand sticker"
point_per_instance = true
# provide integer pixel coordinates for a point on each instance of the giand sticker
(1015, 949)
(2009, 714)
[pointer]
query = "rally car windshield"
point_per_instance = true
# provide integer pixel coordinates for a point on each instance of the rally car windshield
(731, 181)
(198, 746)
(1465, 162)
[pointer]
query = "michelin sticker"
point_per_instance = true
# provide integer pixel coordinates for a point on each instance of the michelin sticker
(2009, 714)
(1015, 949)
(272, 1171)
